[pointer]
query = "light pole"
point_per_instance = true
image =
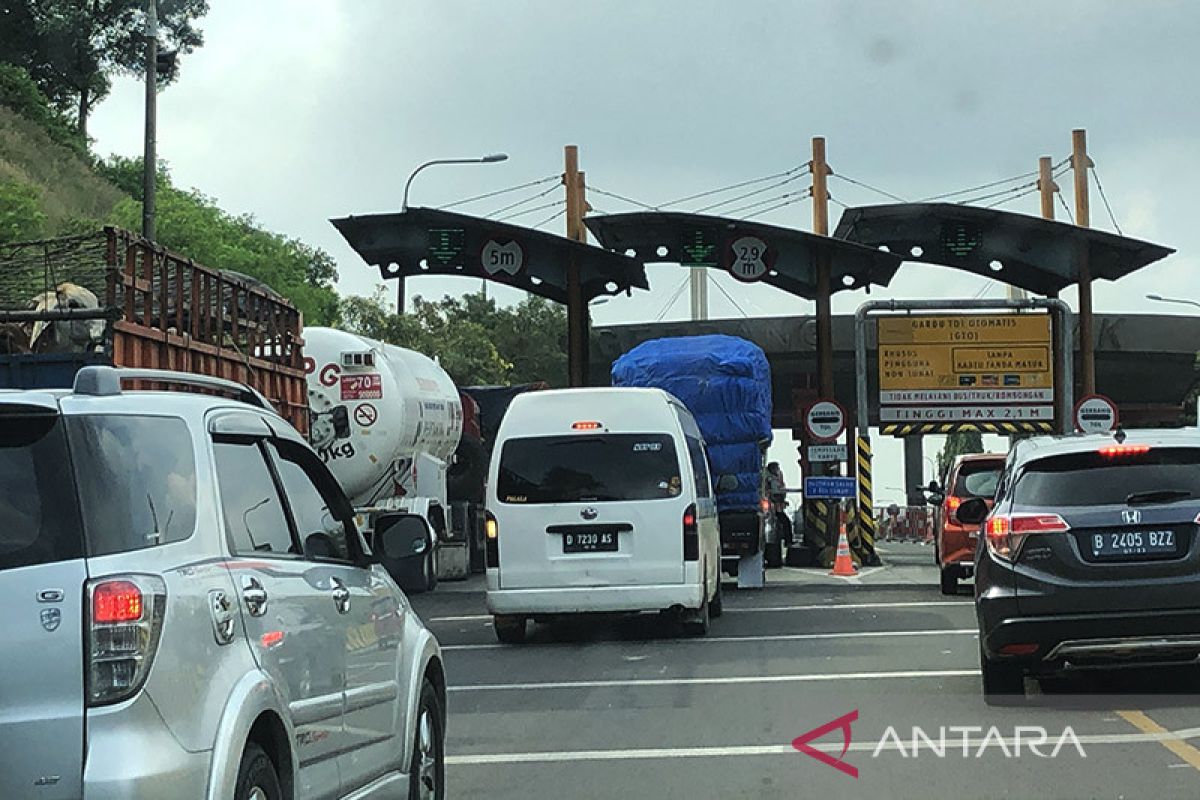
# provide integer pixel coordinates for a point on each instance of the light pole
(491, 158)
(1159, 298)
(149, 144)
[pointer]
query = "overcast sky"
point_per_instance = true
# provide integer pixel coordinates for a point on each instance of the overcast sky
(301, 110)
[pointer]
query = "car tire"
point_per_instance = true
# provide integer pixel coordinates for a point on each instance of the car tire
(949, 580)
(510, 630)
(257, 779)
(773, 555)
(716, 606)
(427, 769)
(1003, 683)
(696, 623)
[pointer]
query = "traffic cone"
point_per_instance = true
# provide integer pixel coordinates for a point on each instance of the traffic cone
(843, 565)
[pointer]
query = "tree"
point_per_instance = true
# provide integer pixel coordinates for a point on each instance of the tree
(958, 444)
(476, 341)
(192, 224)
(21, 217)
(72, 48)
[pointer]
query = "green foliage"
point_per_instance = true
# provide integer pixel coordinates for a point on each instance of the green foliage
(71, 49)
(21, 217)
(19, 93)
(958, 444)
(71, 196)
(476, 341)
(192, 224)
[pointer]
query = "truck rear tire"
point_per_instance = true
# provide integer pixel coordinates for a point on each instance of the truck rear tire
(773, 555)
(949, 576)
(695, 623)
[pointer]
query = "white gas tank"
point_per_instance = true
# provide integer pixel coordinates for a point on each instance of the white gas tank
(376, 412)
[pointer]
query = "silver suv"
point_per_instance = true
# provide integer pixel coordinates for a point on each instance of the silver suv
(193, 611)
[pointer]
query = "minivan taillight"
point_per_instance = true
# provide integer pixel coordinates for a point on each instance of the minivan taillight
(124, 623)
(491, 540)
(1005, 533)
(691, 535)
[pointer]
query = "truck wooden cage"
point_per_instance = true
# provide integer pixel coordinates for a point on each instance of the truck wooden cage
(156, 310)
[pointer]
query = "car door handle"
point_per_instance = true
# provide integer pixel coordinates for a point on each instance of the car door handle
(341, 596)
(255, 596)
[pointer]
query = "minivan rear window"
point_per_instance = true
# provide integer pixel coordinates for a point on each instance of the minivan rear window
(589, 468)
(39, 519)
(1087, 479)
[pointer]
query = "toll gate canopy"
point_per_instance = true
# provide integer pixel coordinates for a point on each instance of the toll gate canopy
(750, 251)
(426, 241)
(1032, 253)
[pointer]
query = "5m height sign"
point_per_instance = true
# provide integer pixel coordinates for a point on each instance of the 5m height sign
(963, 368)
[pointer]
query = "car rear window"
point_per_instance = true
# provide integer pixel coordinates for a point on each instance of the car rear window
(1085, 479)
(588, 468)
(137, 480)
(39, 519)
(977, 478)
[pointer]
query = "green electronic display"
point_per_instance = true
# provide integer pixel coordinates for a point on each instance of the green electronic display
(446, 244)
(960, 239)
(698, 247)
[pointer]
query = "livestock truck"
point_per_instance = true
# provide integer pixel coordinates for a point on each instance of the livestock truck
(726, 383)
(385, 420)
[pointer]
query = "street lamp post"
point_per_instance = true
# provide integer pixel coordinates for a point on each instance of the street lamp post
(491, 158)
(1159, 298)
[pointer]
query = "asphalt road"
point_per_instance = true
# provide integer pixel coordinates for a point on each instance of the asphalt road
(629, 709)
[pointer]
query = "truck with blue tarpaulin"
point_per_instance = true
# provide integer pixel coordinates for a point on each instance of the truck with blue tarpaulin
(725, 382)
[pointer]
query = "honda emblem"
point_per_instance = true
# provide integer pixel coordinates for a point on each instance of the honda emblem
(1131, 516)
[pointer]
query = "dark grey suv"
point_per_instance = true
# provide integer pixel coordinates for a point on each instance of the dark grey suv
(1091, 557)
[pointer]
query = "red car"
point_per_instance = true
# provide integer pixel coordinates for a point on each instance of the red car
(969, 476)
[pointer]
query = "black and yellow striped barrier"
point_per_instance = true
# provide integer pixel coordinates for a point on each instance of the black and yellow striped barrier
(865, 541)
(917, 428)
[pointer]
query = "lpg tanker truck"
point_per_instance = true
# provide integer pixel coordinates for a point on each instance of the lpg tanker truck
(386, 421)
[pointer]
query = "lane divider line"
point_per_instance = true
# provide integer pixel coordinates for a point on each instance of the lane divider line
(769, 609)
(781, 637)
(478, 759)
(716, 681)
(1176, 745)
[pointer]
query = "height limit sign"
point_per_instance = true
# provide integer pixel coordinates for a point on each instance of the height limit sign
(825, 421)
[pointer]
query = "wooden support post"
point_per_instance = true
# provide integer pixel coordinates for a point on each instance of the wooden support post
(1046, 186)
(1087, 349)
(576, 303)
(820, 171)
(1046, 189)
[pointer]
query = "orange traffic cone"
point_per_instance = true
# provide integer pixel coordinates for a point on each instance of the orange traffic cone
(843, 565)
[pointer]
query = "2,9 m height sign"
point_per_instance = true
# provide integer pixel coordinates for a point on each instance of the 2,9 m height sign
(961, 369)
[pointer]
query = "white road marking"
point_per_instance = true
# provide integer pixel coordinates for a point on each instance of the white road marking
(778, 637)
(847, 606)
(973, 745)
(732, 679)
(769, 609)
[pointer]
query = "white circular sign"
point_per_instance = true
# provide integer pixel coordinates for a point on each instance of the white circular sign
(825, 420)
(1095, 414)
(749, 258)
(496, 258)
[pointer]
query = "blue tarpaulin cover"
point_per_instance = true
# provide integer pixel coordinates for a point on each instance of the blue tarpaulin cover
(726, 383)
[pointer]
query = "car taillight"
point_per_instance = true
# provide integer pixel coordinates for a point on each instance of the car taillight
(765, 505)
(952, 503)
(691, 535)
(491, 540)
(1005, 533)
(125, 619)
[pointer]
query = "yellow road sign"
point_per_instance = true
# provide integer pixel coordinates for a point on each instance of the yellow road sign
(1001, 353)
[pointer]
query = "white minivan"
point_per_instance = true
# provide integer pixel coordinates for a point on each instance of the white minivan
(599, 500)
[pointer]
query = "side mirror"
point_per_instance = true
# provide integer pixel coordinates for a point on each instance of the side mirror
(973, 511)
(727, 483)
(402, 542)
(935, 498)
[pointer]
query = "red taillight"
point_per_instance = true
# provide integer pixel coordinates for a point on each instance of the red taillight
(765, 505)
(271, 638)
(585, 426)
(952, 503)
(691, 535)
(1021, 649)
(116, 601)
(1005, 533)
(1118, 450)
(491, 540)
